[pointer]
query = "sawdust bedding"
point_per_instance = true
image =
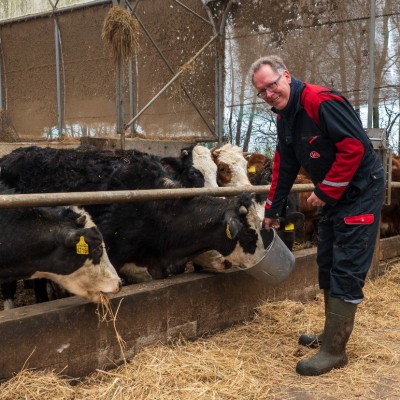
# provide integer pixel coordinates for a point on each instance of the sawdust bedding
(254, 360)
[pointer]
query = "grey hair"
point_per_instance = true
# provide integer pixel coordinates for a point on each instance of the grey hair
(275, 62)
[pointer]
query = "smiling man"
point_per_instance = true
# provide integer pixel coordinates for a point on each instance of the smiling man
(319, 130)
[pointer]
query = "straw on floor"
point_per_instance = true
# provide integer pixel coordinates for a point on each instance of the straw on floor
(255, 360)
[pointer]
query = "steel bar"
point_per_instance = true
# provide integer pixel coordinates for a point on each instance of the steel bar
(131, 95)
(1, 81)
(216, 77)
(220, 72)
(120, 103)
(168, 84)
(219, 69)
(57, 50)
(193, 12)
(170, 68)
(127, 196)
(371, 74)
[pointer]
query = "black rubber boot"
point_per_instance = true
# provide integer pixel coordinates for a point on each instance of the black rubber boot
(338, 327)
(311, 340)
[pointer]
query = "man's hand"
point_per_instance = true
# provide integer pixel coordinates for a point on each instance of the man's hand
(269, 223)
(315, 201)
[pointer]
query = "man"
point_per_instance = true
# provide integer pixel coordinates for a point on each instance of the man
(319, 130)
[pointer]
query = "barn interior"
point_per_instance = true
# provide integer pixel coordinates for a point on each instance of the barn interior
(185, 83)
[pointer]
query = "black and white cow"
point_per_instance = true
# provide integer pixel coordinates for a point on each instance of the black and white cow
(58, 243)
(233, 171)
(148, 235)
(57, 170)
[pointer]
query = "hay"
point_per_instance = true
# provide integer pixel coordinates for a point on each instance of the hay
(107, 315)
(121, 33)
(254, 360)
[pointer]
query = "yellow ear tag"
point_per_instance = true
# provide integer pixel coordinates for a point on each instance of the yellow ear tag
(228, 232)
(289, 227)
(252, 169)
(82, 247)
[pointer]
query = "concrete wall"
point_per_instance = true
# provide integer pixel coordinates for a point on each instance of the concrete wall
(162, 148)
(6, 148)
(67, 335)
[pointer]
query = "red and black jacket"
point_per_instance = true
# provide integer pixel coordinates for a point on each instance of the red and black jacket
(319, 130)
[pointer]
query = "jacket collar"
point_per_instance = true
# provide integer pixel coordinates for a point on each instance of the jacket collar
(293, 105)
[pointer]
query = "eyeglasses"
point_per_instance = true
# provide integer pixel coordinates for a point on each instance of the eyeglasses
(270, 88)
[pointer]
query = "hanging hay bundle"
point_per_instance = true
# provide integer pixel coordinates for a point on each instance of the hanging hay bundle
(121, 32)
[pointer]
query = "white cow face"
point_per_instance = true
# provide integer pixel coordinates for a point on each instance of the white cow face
(232, 166)
(89, 280)
(203, 161)
(81, 264)
(239, 257)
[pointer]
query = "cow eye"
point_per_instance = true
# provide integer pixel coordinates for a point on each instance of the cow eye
(97, 252)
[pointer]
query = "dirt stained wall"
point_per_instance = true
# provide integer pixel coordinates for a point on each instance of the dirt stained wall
(88, 75)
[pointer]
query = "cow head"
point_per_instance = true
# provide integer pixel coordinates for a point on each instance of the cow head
(203, 161)
(231, 166)
(249, 247)
(259, 169)
(289, 228)
(183, 170)
(81, 264)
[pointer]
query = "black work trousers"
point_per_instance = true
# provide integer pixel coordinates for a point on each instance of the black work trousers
(347, 235)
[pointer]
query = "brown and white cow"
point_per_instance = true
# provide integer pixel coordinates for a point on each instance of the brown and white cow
(390, 215)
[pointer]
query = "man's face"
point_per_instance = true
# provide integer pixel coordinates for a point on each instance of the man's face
(276, 86)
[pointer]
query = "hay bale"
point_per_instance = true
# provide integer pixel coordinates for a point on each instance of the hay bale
(121, 33)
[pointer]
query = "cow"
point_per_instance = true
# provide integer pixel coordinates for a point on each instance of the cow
(311, 213)
(183, 168)
(89, 170)
(232, 170)
(259, 169)
(148, 235)
(390, 214)
(202, 160)
(58, 243)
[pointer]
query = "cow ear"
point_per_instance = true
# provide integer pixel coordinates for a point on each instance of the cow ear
(71, 238)
(171, 164)
(81, 220)
(243, 210)
(296, 218)
(184, 153)
(233, 227)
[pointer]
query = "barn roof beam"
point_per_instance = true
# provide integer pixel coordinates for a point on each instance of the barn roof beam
(193, 12)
